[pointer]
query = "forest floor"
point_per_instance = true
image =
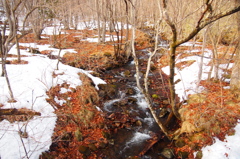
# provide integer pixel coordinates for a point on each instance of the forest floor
(81, 129)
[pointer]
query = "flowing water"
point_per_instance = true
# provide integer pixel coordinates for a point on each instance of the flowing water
(131, 141)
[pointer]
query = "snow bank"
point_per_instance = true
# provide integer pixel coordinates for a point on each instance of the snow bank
(29, 83)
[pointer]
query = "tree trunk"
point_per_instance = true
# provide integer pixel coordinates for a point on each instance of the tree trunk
(145, 90)
(235, 77)
(18, 49)
(37, 33)
(12, 100)
(171, 80)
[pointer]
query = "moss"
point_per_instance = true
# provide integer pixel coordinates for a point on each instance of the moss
(199, 155)
(78, 135)
(127, 73)
(155, 96)
(107, 54)
(84, 150)
(196, 98)
(180, 142)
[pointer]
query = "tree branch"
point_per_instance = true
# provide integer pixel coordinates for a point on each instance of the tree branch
(206, 22)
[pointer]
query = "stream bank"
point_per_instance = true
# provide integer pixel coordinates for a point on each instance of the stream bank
(133, 129)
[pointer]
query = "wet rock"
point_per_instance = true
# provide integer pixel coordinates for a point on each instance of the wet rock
(102, 145)
(130, 91)
(107, 90)
(111, 142)
(92, 147)
(167, 153)
(127, 73)
(106, 134)
(183, 154)
(132, 100)
(163, 112)
(138, 123)
(180, 142)
(84, 150)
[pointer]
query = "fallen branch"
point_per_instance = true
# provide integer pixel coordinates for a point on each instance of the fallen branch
(149, 144)
(14, 114)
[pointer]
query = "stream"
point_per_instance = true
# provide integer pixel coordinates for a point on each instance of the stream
(133, 137)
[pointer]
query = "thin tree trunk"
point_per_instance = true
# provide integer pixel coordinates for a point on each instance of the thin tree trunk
(201, 62)
(18, 49)
(59, 53)
(12, 100)
(98, 21)
(171, 80)
(235, 76)
(145, 91)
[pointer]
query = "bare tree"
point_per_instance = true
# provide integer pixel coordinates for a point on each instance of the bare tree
(235, 76)
(39, 15)
(144, 88)
(9, 10)
(206, 17)
(9, 34)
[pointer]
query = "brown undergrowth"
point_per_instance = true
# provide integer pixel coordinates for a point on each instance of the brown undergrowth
(80, 130)
(212, 113)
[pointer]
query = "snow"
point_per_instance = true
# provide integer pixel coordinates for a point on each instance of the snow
(54, 51)
(189, 75)
(29, 83)
(107, 38)
(228, 149)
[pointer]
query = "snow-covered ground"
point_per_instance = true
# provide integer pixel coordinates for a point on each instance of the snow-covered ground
(229, 149)
(29, 83)
(189, 75)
